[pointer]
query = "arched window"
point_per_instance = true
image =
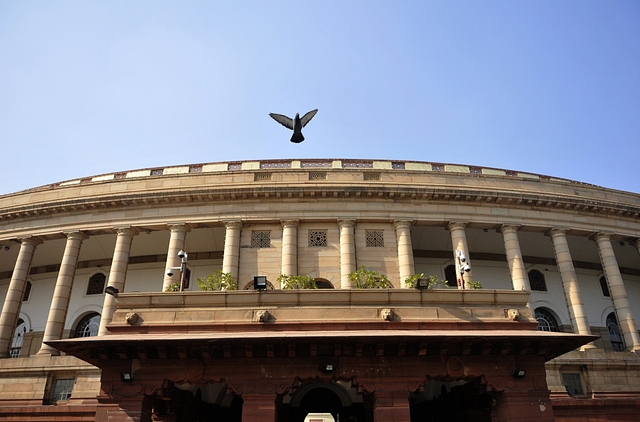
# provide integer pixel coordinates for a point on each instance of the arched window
(615, 336)
(27, 291)
(18, 339)
(88, 326)
(321, 283)
(546, 321)
(604, 287)
(249, 286)
(537, 281)
(451, 276)
(96, 284)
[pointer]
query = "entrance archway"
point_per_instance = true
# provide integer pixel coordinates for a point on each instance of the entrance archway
(455, 401)
(190, 402)
(341, 401)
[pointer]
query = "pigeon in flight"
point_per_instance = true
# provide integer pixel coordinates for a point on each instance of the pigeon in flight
(296, 124)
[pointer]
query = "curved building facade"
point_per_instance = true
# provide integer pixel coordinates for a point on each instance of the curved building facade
(535, 317)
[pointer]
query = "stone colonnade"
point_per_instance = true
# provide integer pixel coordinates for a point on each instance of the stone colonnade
(231, 261)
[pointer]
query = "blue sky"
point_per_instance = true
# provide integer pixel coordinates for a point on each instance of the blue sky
(548, 87)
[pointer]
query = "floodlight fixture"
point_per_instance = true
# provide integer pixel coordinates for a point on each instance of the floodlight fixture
(260, 282)
(422, 283)
(519, 373)
(110, 290)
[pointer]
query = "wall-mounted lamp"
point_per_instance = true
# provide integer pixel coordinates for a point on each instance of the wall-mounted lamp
(519, 373)
(326, 367)
(260, 282)
(126, 377)
(110, 290)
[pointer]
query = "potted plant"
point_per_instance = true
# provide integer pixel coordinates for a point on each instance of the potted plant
(217, 281)
(288, 282)
(434, 283)
(363, 278)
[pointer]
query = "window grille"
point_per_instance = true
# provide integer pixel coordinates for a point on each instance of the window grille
(88, 326)
(27, 291)
(304, 164)
(615, 336)
(62, 390)
(546, 321)
(604, 287)
(257, 177)
(371, 176)
(317, 175)
(375, 238)
(275, 164)
(317, 238)
(357, 164)
(261, 239)
(537, 281)
(96, 284)
(573, 384)
(18, 339)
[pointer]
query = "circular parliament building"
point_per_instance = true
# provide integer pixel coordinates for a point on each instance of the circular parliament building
(320, 290)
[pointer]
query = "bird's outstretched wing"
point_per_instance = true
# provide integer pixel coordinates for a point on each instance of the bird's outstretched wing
(307, 117)
(283, 120)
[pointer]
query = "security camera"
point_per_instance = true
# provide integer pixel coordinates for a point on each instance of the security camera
(467, 267)
(461, 256)
(170, 272)
(182, 254)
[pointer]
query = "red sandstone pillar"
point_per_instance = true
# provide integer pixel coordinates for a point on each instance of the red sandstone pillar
(259, 407)
(391, 406)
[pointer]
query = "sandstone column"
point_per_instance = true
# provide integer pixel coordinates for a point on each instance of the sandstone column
(176, 244)
(117, 274)
(519, 277)
(347, 252)
(62, 293)
(290, 247)
(459, 243)
(406, 267)
(13, 300)
(231, 257)
(579, 322)
(618, 292)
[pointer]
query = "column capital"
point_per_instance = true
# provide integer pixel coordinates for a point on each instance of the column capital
(555, 231)
(290, 223)
(30, 240)
(179, 227)
(127, 230)
(403, 223)
(78, 235)
(346, 222)
(456, 225)
(509, 228)
(600, 236)
(232, 224)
